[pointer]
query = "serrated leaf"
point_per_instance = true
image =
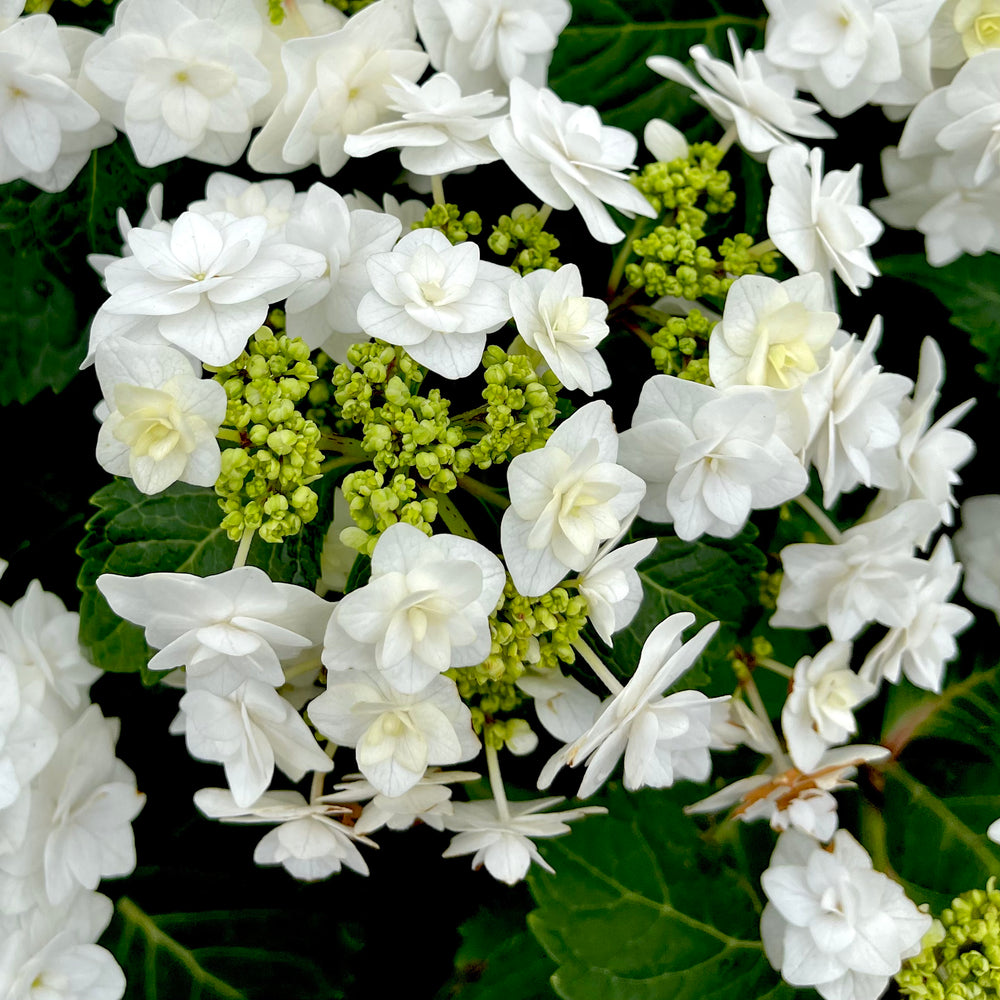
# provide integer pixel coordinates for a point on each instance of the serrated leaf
(174, 531)
(226, 956)
(968, 289)
(642, 909)
(43, 342)
(601, 56)
(499, 959)
(715, 580)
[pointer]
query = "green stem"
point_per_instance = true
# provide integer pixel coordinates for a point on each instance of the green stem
(543, 213)
(774, 666)
(243, 550)
(618, 268)
(449, 513)
(820, 517)
(437, 188)
(653, 315)
(229, 434)
(484, 492)
(496, 782)
(339, 463)
(342, 445)
(749, 687)
(622, 299)
(759, 249)
(598, 666)
(470, 414)
(728, 138)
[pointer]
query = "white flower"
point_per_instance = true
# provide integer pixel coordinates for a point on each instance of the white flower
(275, 200)
(396, 735)
(499, 835)
(978, 545)
(425, 609)
(308, 841)
(488, 43)
(323, 310)
(847, 52)
(250, 731)
(922, 646)
(854, 418)
(91, 800)
(440, 130)
(162, 419)
(936, 195)
(612, 586)
(772, 333)
(663, 739)
(204, 286)
(564, 707)
(224, 629)
(870, 575)
(409, 211)
(665, 142)
(336, 87)
(181, 79)
(817, 221)
(928, 456)
(708, 457)
(819, 710)
(833, 922)
(50, 953)
(557, 320)
(565, 156)
(962, 118)
(751, 95)
(789, 798)
(47, 130)
(565, 499)
(428, 801)
(963, 29)
(27, 738)
(437, 300)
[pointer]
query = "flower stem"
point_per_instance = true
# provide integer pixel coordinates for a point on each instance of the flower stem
(543, 213)
(728, 138)
(339, 463)
(774, 666)
(597, 665)
(759, 249)
(243, 550)
(749, 686)
(496, 782)
(316, 788)
(484, 492)
(618, 268)
(437, 188)
(820, 517)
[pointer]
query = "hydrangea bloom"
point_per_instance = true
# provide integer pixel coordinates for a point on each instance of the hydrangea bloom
(437, 300)
(834, 923)
(565, 499)
(162, 418)
(564, 326)
(817, 221)
(181, 78)
(663, 739)
(275, 200)
(612, 585)
(751, 95)
(486, 44)
(564, 155)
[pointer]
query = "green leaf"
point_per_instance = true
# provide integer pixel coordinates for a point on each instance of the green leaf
(601, 56)
(968, 289)
(499, 959)
(716, 581)
(642, 908)
(43, 342)
(174, 531)
(226, 955)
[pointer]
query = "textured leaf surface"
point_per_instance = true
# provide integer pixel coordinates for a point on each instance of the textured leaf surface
(224, 955)
(641, 909)
(174, 531)
(601, 57)
(714, 580)
(968, 288)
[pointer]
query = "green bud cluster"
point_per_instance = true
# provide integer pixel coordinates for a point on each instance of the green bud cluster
(680, 346)
(961, 955)
(768, 587)
(741, 258)
(678, 186)
(400, 430)
(446, 218)
(538, 631)
(276, 11)
(349, 6)
(376, 505)
(263, 484)
(523, 229)
(520, 408)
